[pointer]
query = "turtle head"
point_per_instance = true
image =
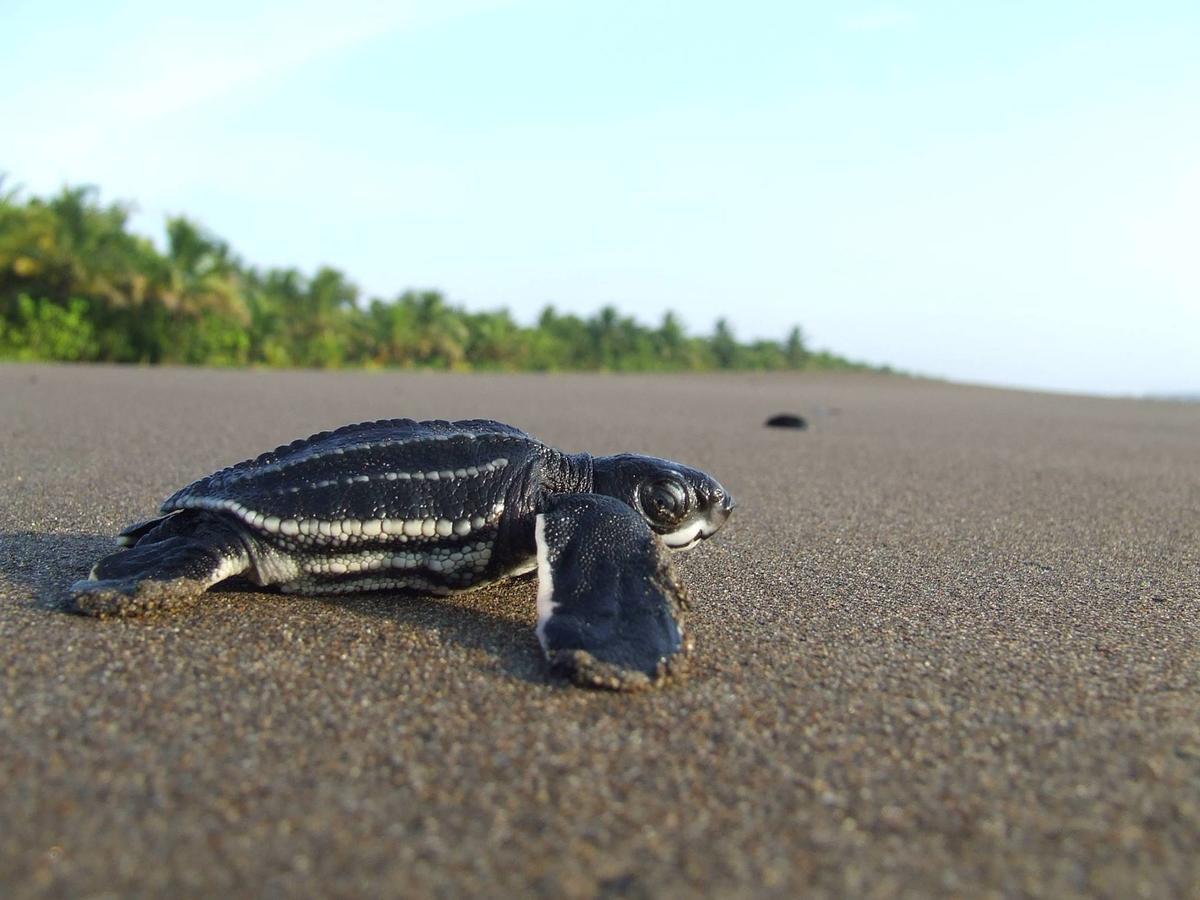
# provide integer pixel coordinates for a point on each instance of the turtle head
(681, 505)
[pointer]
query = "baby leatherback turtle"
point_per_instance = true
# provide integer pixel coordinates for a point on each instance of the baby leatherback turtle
(440, 507)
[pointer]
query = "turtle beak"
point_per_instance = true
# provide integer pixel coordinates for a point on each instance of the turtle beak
(721, 509)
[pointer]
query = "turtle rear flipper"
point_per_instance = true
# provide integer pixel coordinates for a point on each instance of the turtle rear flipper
(609, 604)
(131, 534)
(172, 559)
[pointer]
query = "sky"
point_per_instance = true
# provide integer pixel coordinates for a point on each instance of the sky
(1004, 193)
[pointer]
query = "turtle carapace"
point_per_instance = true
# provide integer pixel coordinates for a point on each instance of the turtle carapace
(440, 507)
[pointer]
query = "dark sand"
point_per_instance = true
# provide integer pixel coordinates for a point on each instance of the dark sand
(947, 646)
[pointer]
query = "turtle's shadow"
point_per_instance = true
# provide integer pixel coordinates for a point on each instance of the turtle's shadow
(44, 566)
(478, 620)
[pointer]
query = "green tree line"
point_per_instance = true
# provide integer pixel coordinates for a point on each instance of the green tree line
(77, 285)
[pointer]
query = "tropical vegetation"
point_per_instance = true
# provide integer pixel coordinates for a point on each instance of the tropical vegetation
(76, 284)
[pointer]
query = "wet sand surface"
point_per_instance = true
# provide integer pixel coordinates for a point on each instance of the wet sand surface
(946, 646)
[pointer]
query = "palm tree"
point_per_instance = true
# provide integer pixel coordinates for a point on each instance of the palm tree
(795, 351)
(441, 332)
(724, 345)
(70, 246)
(201, 274)
(671, 340)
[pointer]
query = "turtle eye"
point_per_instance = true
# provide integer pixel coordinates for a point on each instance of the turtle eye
(664, 502)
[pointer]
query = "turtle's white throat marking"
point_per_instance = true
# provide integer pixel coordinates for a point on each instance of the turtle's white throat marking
(688, 537)
(545, 591)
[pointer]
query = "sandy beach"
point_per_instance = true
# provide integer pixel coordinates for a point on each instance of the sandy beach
(947, 646)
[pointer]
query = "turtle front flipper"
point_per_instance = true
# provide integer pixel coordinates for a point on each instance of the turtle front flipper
(609, 603)
(171, 560)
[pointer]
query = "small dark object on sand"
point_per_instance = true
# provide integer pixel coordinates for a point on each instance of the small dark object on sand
(787, 420)
(441, 507)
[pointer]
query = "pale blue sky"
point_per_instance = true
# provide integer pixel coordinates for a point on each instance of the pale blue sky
(1001, 192)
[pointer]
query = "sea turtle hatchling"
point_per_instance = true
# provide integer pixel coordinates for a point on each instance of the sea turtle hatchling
(440, 507)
